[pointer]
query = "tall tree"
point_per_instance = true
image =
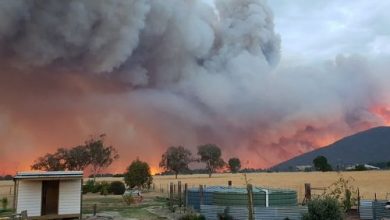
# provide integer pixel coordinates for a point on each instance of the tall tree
(234, 164)
(176, 159)
(321, 164)
(77, 158)
(138, 175)
(211, 154)
(51, 162)
(101, 156)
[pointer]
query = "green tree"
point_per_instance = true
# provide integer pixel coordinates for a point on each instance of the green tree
(321, 164)
(176, 159)
(77, 158)
(100, 155)
(234, 164)
(211, 154)
(324, 208)
(138, 175)
(51, 162)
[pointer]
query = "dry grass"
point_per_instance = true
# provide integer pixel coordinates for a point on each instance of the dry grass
(369, 182)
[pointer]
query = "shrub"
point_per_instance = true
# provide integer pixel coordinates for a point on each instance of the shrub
(129, 199)
(192, 216)
(138, 175)
(104, 188)
(88, 186)
(4, 202)
(117, 188)
(225, 215)
(324, 208)
(96, 187)
(344, 191)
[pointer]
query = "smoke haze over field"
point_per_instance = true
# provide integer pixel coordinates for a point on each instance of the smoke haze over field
(151, 74)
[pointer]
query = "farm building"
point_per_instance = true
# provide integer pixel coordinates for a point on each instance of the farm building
(49, 195)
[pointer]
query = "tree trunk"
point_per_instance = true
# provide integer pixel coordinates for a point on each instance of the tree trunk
(176, 175)
(210, 172)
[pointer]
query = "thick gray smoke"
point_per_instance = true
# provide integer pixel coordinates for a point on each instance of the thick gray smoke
(153, 73)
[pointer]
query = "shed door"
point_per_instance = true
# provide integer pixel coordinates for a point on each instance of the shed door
(50, 192)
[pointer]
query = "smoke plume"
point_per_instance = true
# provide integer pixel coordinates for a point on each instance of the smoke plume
(151, 74)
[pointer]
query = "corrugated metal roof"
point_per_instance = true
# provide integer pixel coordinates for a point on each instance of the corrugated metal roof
(49, 174)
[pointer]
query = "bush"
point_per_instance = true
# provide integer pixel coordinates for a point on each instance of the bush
(88, 186)
(117, 188)
(129, 199)
(344, 191)
(192, 216)
(324, 208)
(138, 175)
(104, 188)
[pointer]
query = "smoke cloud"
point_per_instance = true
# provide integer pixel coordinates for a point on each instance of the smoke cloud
(151, 74)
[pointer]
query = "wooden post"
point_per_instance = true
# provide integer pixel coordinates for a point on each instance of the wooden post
(15, 197)
(179, 193)
(185, 195)
(307, 193)
(230, 183)
(201, 194)
(358, 205)
(94, 209)
(171, 195)
(250, 201)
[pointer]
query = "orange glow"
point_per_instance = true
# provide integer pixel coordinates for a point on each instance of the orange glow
(154, 170)
(384, 113)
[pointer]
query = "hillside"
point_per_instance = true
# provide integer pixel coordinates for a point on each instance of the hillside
(368, 146)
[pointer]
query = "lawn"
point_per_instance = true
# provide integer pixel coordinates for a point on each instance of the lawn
(114, 205)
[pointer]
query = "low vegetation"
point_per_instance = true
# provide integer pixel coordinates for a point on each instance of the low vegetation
(138, 175)
(324, 208)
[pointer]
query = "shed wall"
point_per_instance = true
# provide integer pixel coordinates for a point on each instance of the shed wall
(69, 198)
(29, 197)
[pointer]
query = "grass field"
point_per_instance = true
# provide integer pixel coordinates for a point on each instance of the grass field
(368, 182)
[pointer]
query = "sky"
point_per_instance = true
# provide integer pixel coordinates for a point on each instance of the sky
(314, 31)
(264, 80)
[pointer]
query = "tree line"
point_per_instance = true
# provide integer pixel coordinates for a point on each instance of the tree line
(176, 159)
(93, 153)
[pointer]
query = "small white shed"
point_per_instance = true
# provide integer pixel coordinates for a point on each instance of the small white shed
(49, 195)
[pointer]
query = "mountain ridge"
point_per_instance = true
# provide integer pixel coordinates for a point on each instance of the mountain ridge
(372, 145)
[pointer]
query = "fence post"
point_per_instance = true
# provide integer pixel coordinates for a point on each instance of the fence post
(307, 193)
(94, 209)
(358, 206)
(201, 194)
(250, 201)
(179, 193)
(171, 195)
(185, 195)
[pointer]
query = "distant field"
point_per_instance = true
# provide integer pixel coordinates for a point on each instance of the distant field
(369, 182)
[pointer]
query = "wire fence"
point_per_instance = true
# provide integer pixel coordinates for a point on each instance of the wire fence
(7, 194)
